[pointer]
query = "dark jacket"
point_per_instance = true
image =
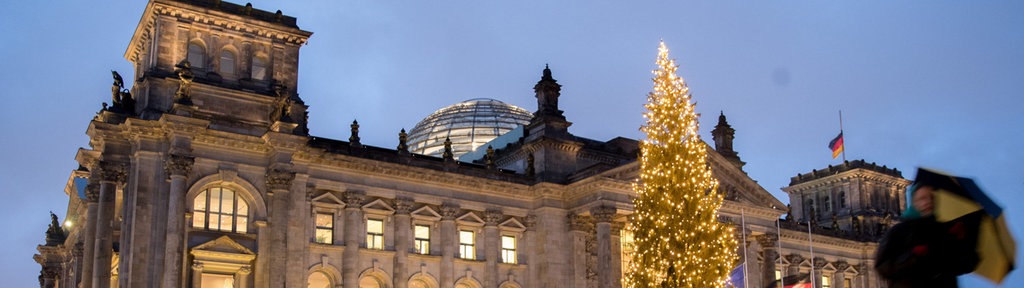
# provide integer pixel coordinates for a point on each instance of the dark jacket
(924, 253)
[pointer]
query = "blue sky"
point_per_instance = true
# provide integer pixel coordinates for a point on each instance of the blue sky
(920, 83)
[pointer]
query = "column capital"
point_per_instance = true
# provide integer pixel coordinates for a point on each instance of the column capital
(841, 265)
(403, 205)
(617, 228)
(197, 267)
(794, 259)
(580, 223)
(768, 241)
(92, 192)
(449, 211)
(492, 217)
(603, 214)
(279, 180)
(114, 172)
(530, 221)
(354, 199)
(178, 165)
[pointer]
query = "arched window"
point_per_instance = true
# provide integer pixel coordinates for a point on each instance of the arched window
(196, 55)
(220, 209)
(318, 280)
(259, 68)
(227, 63)
(370, 282)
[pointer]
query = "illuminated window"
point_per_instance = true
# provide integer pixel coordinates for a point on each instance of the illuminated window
(259, 68)
(217, 280)
(466, 247)
(227, 63)
(324, 228)
(778, 274)
(422, 239)
(847, 283)
(220, 209)
(826, 281)
(375, 234)
(318, 280)
(196, 55)
(508, 249)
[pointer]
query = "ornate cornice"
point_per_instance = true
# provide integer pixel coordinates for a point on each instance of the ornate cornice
(847, 177)
(296, 37)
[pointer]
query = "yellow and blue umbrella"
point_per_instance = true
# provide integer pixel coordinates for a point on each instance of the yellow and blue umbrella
(955, 197)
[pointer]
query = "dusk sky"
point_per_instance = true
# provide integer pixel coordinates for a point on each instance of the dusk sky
(938, 84)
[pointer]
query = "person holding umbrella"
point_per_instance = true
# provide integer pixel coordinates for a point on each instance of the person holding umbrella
(950, 228)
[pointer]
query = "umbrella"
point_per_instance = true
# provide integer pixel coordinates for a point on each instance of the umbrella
(955, 197)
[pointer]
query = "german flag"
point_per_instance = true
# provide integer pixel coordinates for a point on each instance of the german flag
(836, 145)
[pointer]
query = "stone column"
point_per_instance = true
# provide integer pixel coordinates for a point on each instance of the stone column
(278, 186)
(616, 263)
(92, 196)
(177, 168)
(111, 175)
(818, 264)
(769, 247)
(582, 270)
(840, 275)
(353, 238)
(72, 278)
(530, 251)
(242, 277)
(403, 241)
(603, 224)
(197, 275)
(794, 263)
(262, 277)
(492, 246)
(48, 278)
(448, 236)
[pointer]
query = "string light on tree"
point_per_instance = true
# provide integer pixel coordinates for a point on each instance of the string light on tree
(678, 239)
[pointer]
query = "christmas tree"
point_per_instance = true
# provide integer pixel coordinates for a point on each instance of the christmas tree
(678, 239)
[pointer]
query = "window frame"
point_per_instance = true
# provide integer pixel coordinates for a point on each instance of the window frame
(421, 245)
(227, 69)
(204, 215)
(375, 240)
(467, 250)
(505, 251)
(201, 57)
(317, 228)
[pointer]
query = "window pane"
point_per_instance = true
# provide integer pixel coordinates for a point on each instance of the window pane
(225, 223)
(508, 242)
(374, 226)
(199, 219)
(227, 201)
(259, 68)
(196, 56)
(318, 280)
(243, 224)
(466, 237)
(324, 220)
(227, 63)
(218, 280)
(212, 222)
(422, 232)
(199, 203)
(215, 200)
(325, 236)
(243, 208)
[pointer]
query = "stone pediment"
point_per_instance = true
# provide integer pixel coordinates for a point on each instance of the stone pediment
(426, 213)
(470, 219)
(224, 244)
(512, 224)
(328, 198)
(378, 207)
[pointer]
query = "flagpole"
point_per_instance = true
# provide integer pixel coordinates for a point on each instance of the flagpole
(782, 274)
(810, 245)
(743, 226)
(841, 133)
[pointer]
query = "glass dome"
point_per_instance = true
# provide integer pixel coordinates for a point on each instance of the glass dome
(469, 124)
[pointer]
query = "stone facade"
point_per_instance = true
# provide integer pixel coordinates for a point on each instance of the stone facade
(203, 174)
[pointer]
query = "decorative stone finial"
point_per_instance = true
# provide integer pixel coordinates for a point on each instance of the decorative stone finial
(55, 234)
(354, 139)
(402, 139)
(448, 155)
(489, 157)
